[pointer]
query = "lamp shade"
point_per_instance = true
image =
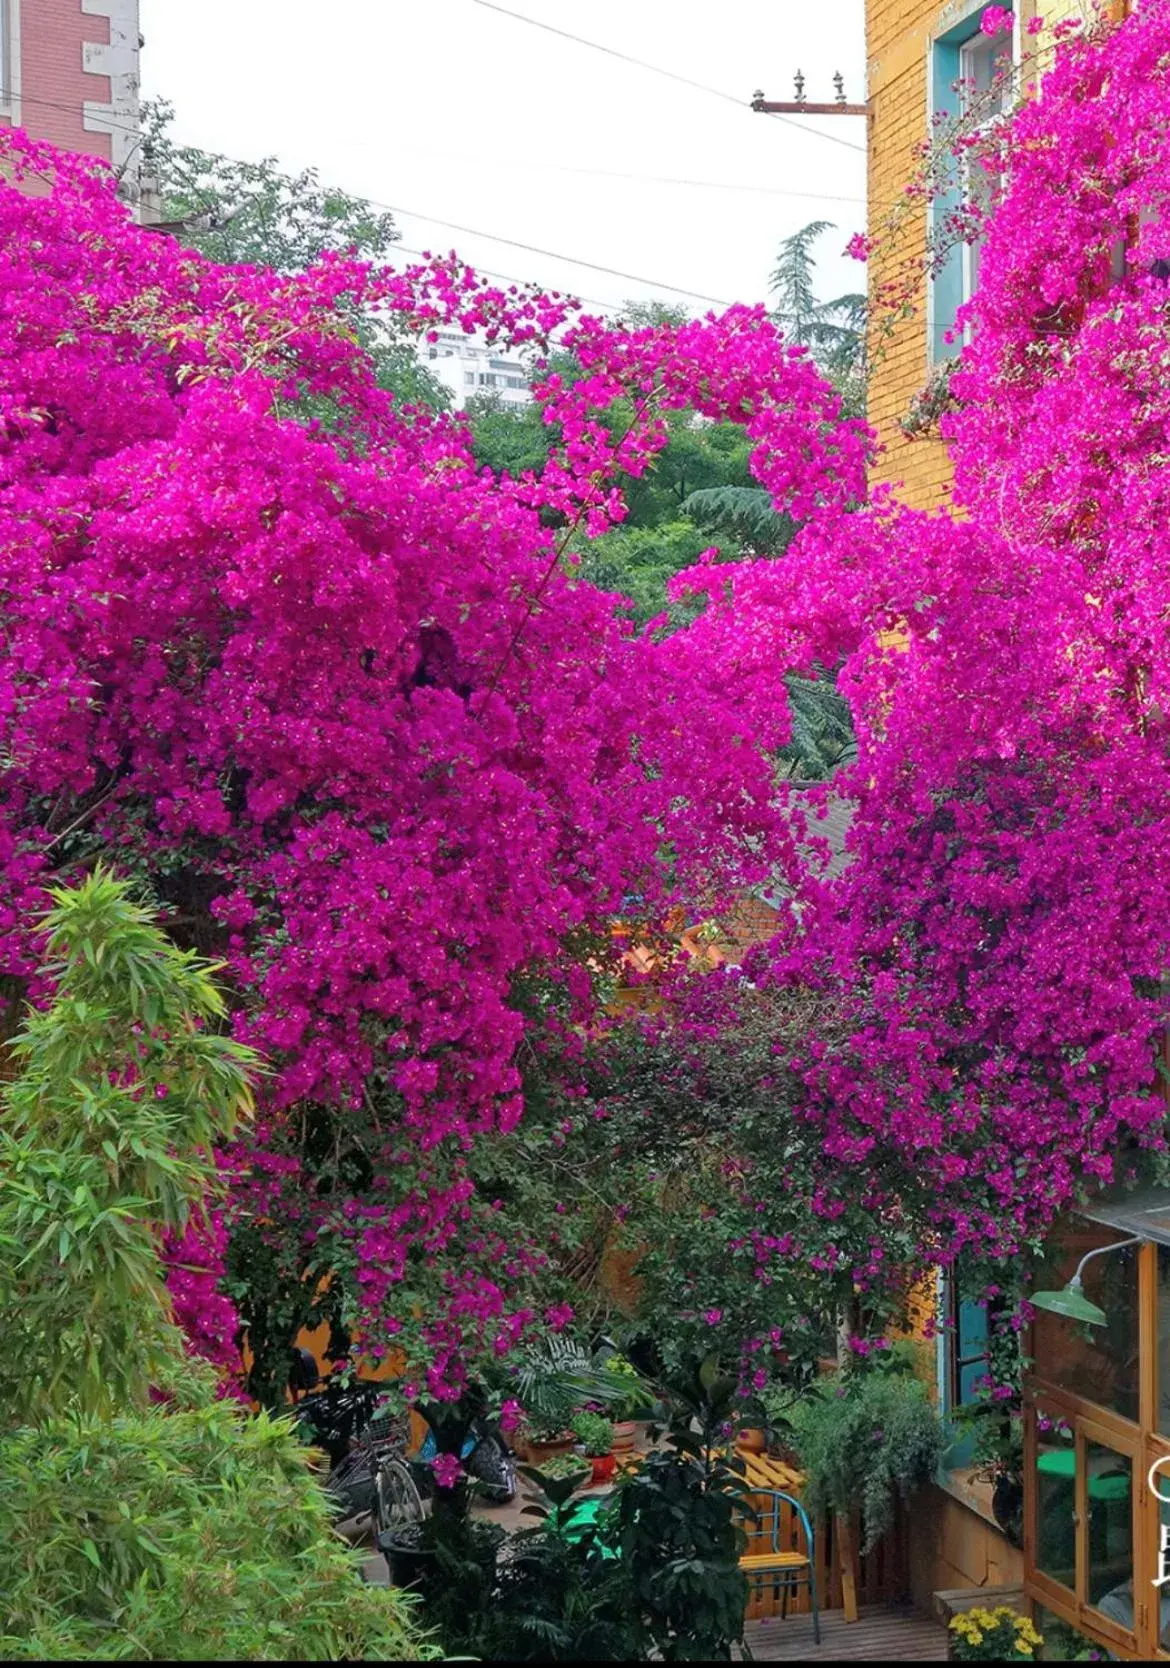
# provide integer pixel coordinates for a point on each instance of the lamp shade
(1070, 1302)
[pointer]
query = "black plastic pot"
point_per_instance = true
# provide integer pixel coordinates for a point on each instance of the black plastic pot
(1007, 1503)
(410, 1564)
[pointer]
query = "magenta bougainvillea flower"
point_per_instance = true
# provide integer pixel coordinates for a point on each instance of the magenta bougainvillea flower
(285, 652)
(995, 20)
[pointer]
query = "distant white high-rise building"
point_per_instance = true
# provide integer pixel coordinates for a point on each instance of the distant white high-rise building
(468, 366)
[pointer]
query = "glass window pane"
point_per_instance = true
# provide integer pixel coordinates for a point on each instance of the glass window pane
(984, 69)
(972, 1330)
(1110, 1493)
(1098, 1362)
(1162, 1419)
(1055, 1481)
(1163, 1479)
(1062, 1641)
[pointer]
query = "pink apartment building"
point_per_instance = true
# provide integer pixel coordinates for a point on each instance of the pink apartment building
(69, 74)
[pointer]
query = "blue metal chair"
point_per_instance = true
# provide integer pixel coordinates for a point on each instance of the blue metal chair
(785, 1568)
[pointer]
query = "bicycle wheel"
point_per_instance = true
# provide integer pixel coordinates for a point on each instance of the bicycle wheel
(397, 1501)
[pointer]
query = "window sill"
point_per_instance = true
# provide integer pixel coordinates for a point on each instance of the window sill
(965, 1485)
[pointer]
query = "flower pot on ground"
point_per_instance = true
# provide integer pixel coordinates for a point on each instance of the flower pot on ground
(595, 1433)
(540, 1450)
(751, 1440)
(625, 1436)
(604, 1466)
(411, 1562)
(565, 1466)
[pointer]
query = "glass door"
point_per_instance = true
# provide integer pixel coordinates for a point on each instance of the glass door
(1111, 1588)
(1083, 1536)
(1153, 1552)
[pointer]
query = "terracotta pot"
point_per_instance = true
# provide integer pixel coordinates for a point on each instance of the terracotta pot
(538, 1452)
(751, 1441)
(604, 1466)
(786, 1455)
(625, 1435)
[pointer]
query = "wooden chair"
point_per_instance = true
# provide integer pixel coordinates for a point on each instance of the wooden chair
(786, 1570)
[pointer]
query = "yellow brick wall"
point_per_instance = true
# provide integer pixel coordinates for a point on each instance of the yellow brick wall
(898, 36)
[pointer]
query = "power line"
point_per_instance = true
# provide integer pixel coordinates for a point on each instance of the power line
(652, 179)
(511, 278)
(453, 226)
(551, 254)
(656, 69)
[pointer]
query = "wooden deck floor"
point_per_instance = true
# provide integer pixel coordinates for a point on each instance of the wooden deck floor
(880, 1635)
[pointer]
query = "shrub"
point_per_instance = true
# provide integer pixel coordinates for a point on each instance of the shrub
(866, 1439)
(180, 1534)
(595, 1433)
(140, 1517)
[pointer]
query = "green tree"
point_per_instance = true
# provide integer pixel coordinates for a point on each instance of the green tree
(833, 331)
(125, 1084)
(141, 1517)
(253, 213)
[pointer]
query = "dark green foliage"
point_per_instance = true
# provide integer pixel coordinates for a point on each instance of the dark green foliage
(561, 1596)
(639, 563)
(508, 440)
(866, 1439)
(680, 1534)
(822, 728)
(743, 512)
(654, 1576)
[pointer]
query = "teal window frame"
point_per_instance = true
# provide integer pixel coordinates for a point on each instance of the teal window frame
(946, 287)
(964, 1358)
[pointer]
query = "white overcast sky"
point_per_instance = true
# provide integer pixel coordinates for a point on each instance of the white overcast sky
(448, 108)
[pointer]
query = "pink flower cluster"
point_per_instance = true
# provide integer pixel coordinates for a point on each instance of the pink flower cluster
(996, 950)
(286, 651)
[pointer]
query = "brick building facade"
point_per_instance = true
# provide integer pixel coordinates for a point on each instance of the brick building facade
(915, 50)
(69, 75)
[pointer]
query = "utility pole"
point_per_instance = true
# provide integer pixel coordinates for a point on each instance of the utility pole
(799, 106)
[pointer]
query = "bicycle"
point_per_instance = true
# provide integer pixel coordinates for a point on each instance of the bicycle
(366, 1443)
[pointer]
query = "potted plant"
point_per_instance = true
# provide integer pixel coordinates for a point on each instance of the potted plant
(626, 1409)
(555, 1379)
(595, 1434)
(563, 1466)
(866, 1438)
(999, 1635)
(751, 1439)
(422, 1555)
(547, 1434)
